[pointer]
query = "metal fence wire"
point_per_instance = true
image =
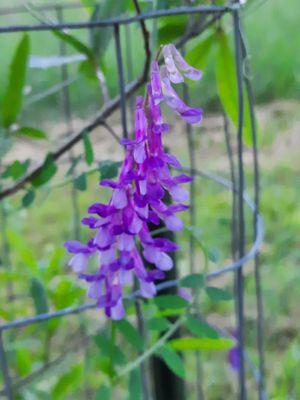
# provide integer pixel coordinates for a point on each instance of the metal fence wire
(211, 14)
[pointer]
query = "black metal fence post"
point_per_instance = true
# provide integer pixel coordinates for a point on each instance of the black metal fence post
(5, 370)
(241, 216)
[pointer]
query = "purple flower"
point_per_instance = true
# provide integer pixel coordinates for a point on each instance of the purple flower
(177, 66)
(121, 238)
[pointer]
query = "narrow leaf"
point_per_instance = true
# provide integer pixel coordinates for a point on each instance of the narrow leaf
(28, 198)
(170, 301)
(134, 386)
(192, 281)
(104, 344)
(16, 169)
(172, 359)
(185, 344)
(130, 334)
(88, 149)
(75, 43)
(80, 182)
(104, 393)
(217, 294)
(39, 295)
(48, 171)
(227, 86)
(32, 133)
(12, 102)
(198, 55)
(158, 324)
(200, 328)
(109, 169)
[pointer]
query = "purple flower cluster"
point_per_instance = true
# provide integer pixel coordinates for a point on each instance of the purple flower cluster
(122, 237)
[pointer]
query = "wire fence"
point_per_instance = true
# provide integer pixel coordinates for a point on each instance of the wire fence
(240, 198)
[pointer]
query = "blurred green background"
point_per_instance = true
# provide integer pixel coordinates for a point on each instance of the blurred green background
(32, 237)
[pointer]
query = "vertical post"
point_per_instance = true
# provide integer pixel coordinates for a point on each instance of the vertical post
(241, 217)
(121, 79)
(5, 371)
(66, 105)
(258, 289)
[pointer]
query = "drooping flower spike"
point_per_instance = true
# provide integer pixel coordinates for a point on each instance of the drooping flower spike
(121, 235)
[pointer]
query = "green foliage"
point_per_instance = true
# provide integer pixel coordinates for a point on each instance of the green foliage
(172, 359)
(100, 38)
(158, 324)
(104, 393)
(135, 386)
(28, 198)
(48, 170)
(80, 182)
(67, 382)
(109, 350)
(200, 328)
(227, 85)
(12, 103)
(16, 169)
(75, 43)
(32, 133)
(192, 281)
(23, 361)
(170, 301)
(131, 334)
(109, 169)
(39, 296)
(190, 343)
(217, 294)
(198, 55)
(88, 149)
(169, 30)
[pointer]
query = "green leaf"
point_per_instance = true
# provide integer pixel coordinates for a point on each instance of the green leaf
(80, 182)
(88, 149)
(16, 169)
(48, 170)
(200, 328)
(172, 359)
(66, 382)
(104, 344)
(104, 393)
(130, 334)
(75, 43)
(170, 301)
(169, 30)
(227, 85)
(109, 169)
(100, 38)
(217, 294)
(192, 281)
(158, 324)
(213, 255)
(88, 70)
(23, 361)
(39, 295)
(32, 133)
(28, 198)
(198, 55)
(134, 386)
(187, 343)
(12, 102)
